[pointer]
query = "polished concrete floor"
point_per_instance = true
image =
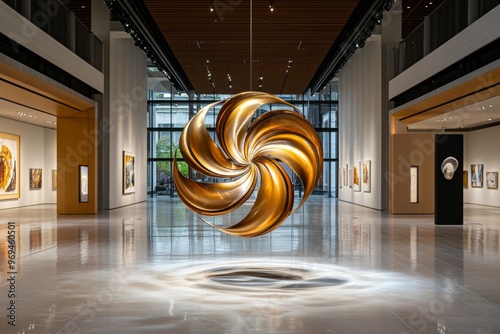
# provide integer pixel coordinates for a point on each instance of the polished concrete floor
(332, 267)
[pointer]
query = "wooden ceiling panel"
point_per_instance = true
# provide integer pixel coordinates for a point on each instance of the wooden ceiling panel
(300, 31)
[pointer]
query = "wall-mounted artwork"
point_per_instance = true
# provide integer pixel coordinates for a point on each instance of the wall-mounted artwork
(10, 158)
(357, 176)
(35, 178)
(350, 177)
(414, 184)
(54, 179)
(346, 175)
(476, 176)
(83, 185)
(492, 180)
(340, 177)
(367, 175)
(128, 172)
(466, 179)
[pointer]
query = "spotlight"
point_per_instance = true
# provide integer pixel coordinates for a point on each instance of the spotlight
(360, 43)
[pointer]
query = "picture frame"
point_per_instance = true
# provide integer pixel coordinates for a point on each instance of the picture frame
(356, 176)
(350, 177)
(414, 189)
(10, 160)
(54, 180)
(465, 179)
(492, 180)
(366, 176)
(83, 183)
(340, 180)
(476, 175)
(128, 172)
(346, 175)
(35, 178)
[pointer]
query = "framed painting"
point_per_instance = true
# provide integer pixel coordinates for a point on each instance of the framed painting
(476, 176)
(54, 179)
(128, 172)
(350, 173)
(10, 162)
(366, 172)
(340, 177)
(346, 175)
(492, 180)
(465, 179)
(356, 176)
(35, 178)
(83, 186)
(414, 184)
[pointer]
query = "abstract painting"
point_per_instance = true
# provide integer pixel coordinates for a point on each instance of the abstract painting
(35, 178)
(367, 176)
(476, 176)
(356, 176)
(128, 172)
(10, 158)
(54, 179)
(83, 184)
(492, 180)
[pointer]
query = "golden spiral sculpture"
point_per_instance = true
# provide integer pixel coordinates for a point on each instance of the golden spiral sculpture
(249, 149)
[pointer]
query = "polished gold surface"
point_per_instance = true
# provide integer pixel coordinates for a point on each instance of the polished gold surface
(249, 150)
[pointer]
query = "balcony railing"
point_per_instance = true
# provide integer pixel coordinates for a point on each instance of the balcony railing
(55, 19)
(446, 21)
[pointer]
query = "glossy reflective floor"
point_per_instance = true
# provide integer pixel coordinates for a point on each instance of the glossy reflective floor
(331, 268)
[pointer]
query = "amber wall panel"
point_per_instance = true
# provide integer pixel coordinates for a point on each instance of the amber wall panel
(409, 150)
(76, 145)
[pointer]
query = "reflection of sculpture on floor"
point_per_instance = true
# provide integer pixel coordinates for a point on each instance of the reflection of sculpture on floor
(250, 149)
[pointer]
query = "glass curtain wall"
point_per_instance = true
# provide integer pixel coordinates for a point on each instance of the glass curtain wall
(169, 111)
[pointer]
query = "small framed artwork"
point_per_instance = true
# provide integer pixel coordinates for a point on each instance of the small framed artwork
(346, 175)
(10, 157)
(35, 178)
(356, 174)
(340, 177)
(54, 180)
(492, 180)
(83, 174)
(350, 177)
(466, 179)
(128, 172)
(476, 176)
(414, 184)
(366, 176)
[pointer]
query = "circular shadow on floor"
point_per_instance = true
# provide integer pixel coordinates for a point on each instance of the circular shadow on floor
(279, 278)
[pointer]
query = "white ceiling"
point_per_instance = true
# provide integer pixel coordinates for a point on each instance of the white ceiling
(27, 115)
(477, 114)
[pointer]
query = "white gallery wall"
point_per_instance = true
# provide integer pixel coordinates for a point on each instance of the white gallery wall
(38, 150)
(479, 148)
(360, 120)
(127, 116)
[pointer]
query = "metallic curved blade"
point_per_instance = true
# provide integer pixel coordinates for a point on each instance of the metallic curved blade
(214, 199)
(200, 151)
(273, 205)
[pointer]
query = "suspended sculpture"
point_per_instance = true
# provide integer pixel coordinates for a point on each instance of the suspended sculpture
(249, 149)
